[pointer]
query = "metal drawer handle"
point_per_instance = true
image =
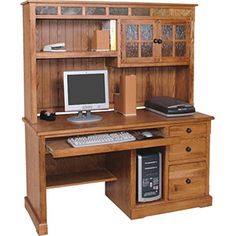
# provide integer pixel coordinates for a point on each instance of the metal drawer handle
(189, 130)
(188, 149)
(188, 181)
(159, 41)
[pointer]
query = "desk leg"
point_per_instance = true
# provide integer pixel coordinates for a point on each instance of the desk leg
(35, 201)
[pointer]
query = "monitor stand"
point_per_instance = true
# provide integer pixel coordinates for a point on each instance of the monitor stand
(84, 117)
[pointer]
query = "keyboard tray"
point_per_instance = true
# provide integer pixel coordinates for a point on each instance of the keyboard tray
(59, 147)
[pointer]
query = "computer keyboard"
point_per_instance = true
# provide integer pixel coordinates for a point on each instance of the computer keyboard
(100, 139)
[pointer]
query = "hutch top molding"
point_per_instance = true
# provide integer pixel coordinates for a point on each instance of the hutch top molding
(108, 3)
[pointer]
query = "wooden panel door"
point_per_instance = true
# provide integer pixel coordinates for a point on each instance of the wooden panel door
(137, 41)
(174, 40)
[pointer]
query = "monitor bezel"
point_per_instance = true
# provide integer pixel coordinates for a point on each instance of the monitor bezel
(85, 107)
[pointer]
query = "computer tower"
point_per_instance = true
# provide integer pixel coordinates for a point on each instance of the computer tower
(149, 175)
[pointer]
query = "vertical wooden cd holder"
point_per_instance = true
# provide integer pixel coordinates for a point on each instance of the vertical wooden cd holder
(125, 100)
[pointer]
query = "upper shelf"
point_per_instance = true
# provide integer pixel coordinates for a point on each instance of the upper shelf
(69, 54)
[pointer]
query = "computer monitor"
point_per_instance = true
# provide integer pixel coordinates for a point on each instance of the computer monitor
(85, 91)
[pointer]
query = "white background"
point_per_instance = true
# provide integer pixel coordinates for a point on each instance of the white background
(84, 210)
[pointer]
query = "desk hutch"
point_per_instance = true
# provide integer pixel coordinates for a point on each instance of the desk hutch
(155, 42)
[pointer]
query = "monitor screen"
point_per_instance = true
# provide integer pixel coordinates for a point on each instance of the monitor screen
(86, 90)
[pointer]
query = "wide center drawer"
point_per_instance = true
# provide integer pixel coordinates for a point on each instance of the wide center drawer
(187, 180)
(187, 149)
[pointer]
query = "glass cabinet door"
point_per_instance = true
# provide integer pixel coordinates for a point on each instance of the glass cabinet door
(174, 41)
(137, 41)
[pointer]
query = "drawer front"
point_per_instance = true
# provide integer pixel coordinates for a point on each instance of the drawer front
(187, 180)
(187, 149)
(188, 130)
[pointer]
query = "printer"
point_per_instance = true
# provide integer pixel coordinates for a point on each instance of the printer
(169, 106)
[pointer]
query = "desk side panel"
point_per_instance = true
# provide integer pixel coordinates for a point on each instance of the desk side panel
(122, 191)
(35, 200)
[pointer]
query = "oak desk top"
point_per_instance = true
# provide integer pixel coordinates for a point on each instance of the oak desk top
(112, 121)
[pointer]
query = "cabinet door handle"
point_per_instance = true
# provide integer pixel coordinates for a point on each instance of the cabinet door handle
(189, 130)
(188, 149)
(188, 181)
(159, 41)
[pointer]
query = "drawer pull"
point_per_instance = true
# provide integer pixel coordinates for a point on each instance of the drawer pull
(159, 41)
(188, 181)
(188, 149)
(189, 130)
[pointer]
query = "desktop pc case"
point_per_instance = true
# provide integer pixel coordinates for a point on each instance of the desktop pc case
(149, 175)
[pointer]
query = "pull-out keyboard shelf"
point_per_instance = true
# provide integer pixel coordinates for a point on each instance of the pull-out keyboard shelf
(59, 148)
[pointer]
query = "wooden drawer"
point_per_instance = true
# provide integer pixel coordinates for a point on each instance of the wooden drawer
(188, 130)
(188, 148)
(187, 180)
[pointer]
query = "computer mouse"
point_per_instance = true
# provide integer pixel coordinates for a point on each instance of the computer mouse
(147, 134)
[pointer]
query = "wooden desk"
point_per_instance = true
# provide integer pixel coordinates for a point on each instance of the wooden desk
(154, 42)
(51, 162)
